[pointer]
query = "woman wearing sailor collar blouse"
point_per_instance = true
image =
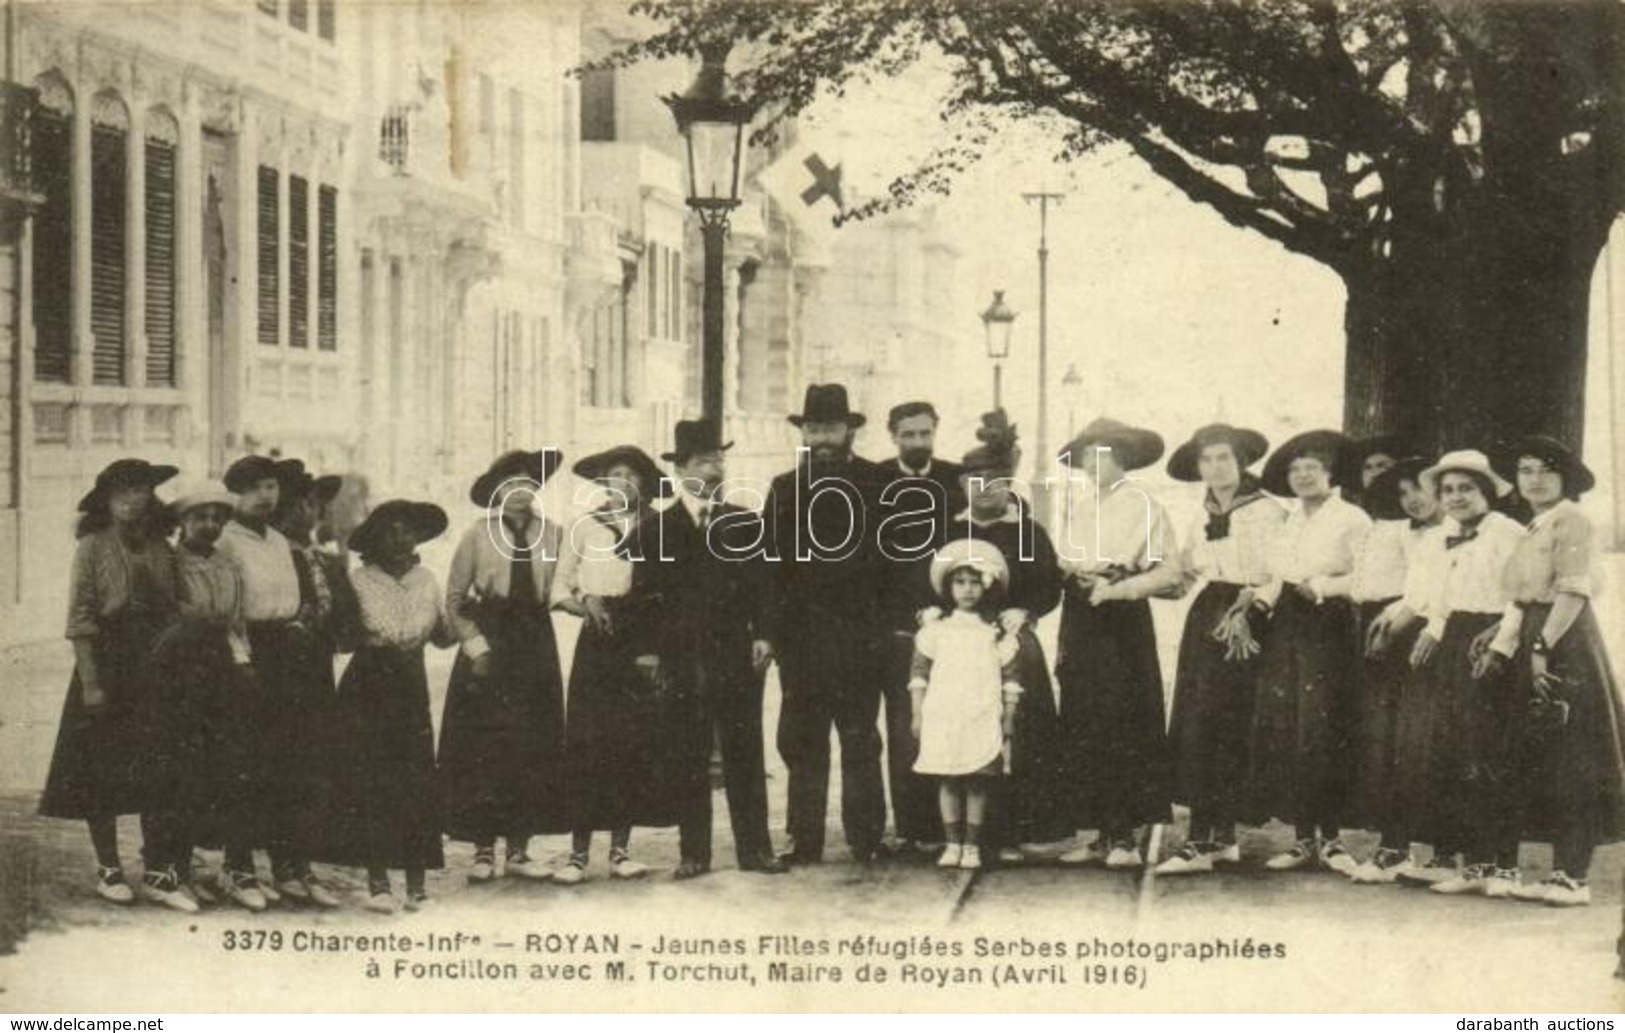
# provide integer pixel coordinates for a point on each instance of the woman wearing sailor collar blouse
(1571, 766)
(1118, 552)
(1306, 683)
(1217, 674)
(1453, 762)
(502, 735)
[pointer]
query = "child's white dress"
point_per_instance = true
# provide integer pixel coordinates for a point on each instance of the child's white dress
(961, 731)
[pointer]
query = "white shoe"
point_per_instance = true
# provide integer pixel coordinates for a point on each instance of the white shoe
(294, 890)
(1564, 891)
(1530, 892)
(1500, 883)
(1090, 854)
(112, 887)
(417, 902)
(970, 859)
(1473, 879)
(1011, 855)
(623, 867)
(244, 890)
(1301, 855)
(952, 854)
(572, 874)
(1124, 859)
(1231, 854)
(1335, 855)
(319, 894)
(162, 886)
(524, 867)
(1385, 866)
(1190, 859)
(484, 868)
(381, 903)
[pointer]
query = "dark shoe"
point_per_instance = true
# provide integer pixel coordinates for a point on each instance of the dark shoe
(798, 858)
(764, 863)
(870, 852)
(691, 869)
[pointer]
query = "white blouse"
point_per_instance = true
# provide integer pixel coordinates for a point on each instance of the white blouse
(1240, 557)
(270, 582)
(402, 613)
(1119, 527)
(1379, 562)
(1316, 549)
(1468, 578)
(588, 563)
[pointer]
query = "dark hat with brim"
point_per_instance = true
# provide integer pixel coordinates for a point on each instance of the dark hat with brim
(691, 437)
(1391, 445)
(425, 520)
(126, 473)
(1381, 496)
(1249, 447)
(827, 403)
(248, 471)
(298, 483)
(1577, 477)
(1321, 442)
(532, 467)
(1132, 447)
(595, 466)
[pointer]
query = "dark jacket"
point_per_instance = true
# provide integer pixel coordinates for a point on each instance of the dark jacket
(1035, 572)
(697, 595)
(827, 568)
(916, 513)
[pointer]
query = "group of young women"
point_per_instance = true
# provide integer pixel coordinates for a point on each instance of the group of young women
(1381, 642)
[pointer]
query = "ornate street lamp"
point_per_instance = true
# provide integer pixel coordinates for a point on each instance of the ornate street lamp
(712, 121)
(996, 323)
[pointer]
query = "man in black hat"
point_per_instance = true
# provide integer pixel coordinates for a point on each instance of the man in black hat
(698, 585)
(293, 695)
(920, 498)
(827, 624)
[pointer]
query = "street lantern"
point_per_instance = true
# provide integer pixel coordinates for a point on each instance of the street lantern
(1072, 389)
(712, 122)
(997, 321)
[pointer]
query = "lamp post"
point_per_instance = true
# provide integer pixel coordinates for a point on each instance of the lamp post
(1041, 499)
(996, 323)
(1072, 388)
(712, 121)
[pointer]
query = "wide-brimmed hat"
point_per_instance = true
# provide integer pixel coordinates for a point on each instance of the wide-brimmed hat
(1392, 445)
(1381, 496)
(190, 494)
(1132, 447)
(826, 403)
(980, 556)
(1332, 442)
(126, 473)
(1577, 477)
(426, 521)
(997, 450)
(594, 467)
(533, 467)
(1248, 445)
(248, 471)
(298, 483)
(691, 437)
(1466, 460)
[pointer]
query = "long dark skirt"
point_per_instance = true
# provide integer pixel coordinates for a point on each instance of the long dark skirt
(390, 807)
(1302, 714)
(502, 737)
(1114, 740)
(1373, 802)
(207, 774)
(1453, 752)
(98, 765)
(1572, 776)
(1212, 716)
(300, 746)
(1031, 799)
(614, 746)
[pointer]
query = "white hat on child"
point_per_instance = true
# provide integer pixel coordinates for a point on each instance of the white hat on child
(200, 492)
(980, 556)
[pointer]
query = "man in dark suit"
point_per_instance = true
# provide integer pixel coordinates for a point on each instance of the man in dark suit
(921, 496)
(827, 626)
(698, 585)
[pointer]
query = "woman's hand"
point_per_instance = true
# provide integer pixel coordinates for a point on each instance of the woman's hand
(1481, 644)
(1305, 592)
(1013, 620)
(481, 665)
(1378, 638)
(1541, 673)
(92, 696)
(1104, 591)
(1487, 663)
(1422, 652)
(598, 613)
(761, 654)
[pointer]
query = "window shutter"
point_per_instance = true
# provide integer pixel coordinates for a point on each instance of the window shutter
(107, 248)
(324, 19)
(299, 13)
(160, 250)
(652, 290)
(53, 247)
(327, 270)
(269, 285)
(298, 262)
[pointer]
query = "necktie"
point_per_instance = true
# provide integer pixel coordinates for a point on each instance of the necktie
(1218, 526)
(1469, 531)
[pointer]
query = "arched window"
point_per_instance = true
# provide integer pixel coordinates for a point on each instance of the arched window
(53, 232)
(161, 145)
(109, 135)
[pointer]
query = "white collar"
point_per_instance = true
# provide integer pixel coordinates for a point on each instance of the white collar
(1542, 519)
(924, 471)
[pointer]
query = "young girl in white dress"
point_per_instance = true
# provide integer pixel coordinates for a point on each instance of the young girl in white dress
(965, 689)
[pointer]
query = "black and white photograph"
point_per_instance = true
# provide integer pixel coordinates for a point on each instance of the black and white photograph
(806, 506)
